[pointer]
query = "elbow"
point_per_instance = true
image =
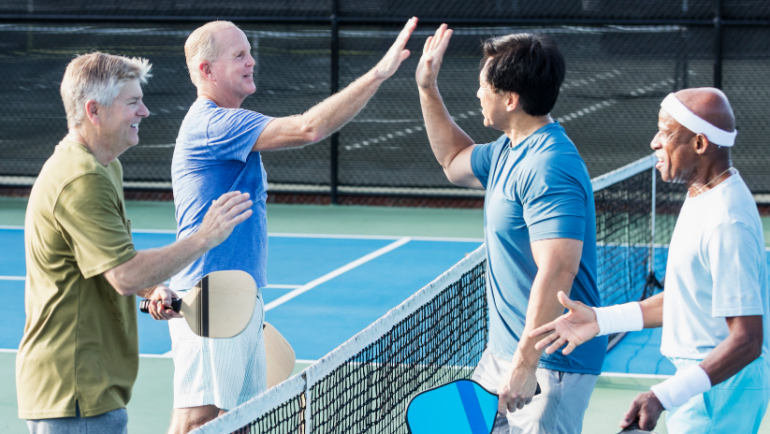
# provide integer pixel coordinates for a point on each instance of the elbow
(750, 344)
(312, 133)
(121, 283)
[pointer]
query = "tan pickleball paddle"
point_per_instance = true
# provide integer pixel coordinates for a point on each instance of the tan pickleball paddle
(280, 356)
(219, 306)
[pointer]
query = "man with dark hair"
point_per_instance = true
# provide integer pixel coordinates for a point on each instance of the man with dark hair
(539, 226)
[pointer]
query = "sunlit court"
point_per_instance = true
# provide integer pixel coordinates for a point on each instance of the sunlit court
(457, 217)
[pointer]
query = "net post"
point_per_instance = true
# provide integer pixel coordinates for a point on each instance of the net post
(308, 405)
(718, 44)
(651, 265)
(335, 78)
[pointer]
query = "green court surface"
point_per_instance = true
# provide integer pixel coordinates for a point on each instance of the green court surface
(150, 407)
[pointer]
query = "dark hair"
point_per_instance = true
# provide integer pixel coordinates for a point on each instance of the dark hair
(529, 65)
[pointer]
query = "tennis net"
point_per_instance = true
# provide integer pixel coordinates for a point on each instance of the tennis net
(439, 334)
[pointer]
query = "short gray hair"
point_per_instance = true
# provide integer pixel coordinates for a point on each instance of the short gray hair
(99, 77)
(201, 45)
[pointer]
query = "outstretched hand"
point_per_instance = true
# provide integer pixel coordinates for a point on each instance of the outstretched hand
(573, 328)
(432, 56)
(397, 52)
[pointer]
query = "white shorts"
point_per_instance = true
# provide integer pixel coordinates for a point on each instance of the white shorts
(220, 372)
(559, 408)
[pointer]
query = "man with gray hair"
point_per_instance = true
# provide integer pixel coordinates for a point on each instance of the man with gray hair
(79, 356)
(218, 150)
(714, 308)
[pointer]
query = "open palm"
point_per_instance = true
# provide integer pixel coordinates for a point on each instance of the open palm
(573, 328)
(432, 56)
(397, 52)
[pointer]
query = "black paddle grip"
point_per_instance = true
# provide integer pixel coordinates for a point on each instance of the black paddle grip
(144, 305)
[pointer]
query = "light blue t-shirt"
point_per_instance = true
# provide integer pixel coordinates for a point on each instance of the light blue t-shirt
(537, 190)
(213, 155)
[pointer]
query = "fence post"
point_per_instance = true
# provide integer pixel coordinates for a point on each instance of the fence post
(335, 78)
(718, 44)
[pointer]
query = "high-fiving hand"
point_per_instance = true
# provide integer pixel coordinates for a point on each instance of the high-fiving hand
(573, 328)
(397, 52)
(432, 56)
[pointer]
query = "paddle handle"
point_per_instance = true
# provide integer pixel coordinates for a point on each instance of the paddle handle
(176, 304)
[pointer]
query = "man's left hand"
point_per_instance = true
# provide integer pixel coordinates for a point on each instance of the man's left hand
(517, 389)
(646, 409)
(160, 298)
(397, 53)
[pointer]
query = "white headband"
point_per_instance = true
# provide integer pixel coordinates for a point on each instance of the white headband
(697, 125)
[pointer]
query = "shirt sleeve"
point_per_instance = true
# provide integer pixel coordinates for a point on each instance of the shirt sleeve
(89, 215)
(232, 133)
(554, 200)
(734, 262)
(481, 161)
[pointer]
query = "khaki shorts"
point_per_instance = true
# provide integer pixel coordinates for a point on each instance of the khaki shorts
(559, 408)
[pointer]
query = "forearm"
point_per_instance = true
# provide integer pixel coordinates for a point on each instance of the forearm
(334, 112)
(445, 137)
(148, 268)
(543, 308)
(652, 311)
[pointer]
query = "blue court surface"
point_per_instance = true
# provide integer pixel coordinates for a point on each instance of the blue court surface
(350, 282)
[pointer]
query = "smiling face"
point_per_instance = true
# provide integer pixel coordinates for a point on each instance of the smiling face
(674, 150)
(233, 71)
(119, 123)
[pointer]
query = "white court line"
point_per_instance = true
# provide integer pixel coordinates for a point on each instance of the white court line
(373, 237)
(298, 235)
(337, 272)
(19, 278)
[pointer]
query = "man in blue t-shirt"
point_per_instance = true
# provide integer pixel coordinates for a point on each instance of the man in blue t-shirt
(217, 151)
(539, 226)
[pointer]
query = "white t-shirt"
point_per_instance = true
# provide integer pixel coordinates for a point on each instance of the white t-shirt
(716, 268)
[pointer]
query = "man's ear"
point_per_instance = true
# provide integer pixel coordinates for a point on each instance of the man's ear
(701, 144)
(205, 69)
(93, 111)
(512, 101)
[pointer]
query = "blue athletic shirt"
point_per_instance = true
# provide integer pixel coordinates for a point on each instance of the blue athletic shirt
(213, 156)
(536, 190)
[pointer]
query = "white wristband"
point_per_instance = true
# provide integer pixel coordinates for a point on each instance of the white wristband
(619, 318)
(678, 389)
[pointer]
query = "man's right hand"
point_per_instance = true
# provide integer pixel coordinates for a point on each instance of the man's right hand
(230, 210)
(573, 328)
(432, 56)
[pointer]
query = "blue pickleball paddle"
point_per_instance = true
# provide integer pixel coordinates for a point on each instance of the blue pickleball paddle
(459, 407)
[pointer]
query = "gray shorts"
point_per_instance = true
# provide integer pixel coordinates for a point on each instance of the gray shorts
(112, 422)
(559, 409)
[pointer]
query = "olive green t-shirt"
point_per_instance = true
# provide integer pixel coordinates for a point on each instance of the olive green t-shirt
(80, 338)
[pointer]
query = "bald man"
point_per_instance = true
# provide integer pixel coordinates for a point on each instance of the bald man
(218, 150)
(715, 304)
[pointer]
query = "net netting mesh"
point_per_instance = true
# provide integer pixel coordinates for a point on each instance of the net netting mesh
(440, 342)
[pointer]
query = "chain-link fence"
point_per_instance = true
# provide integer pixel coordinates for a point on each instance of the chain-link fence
(623, 57)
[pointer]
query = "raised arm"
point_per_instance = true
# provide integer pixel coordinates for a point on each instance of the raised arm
(451, 146)
(334, 112)
(558, 262)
